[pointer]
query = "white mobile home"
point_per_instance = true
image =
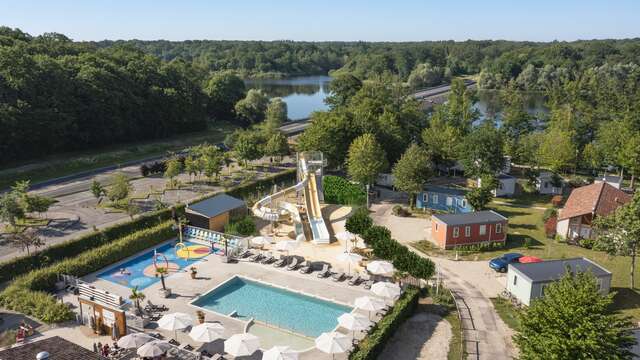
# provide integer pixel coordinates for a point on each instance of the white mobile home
(545, 184)
(527, 281)
(506, 185)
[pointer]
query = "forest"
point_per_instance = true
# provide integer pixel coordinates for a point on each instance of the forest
(57, 95)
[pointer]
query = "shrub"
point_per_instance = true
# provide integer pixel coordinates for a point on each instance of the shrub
(586, 243)
(244, 227)
(359, 222)
(373, 344)
(549, 213)
(338, 190)
(400, 211)
(28, 293)
(374, 234)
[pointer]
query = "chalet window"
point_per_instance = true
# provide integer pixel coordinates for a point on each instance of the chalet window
(463, 203)
(483, 229)
(436, 226)
(449, 201)
(546, 184)
(515, 279)
(425, 197)
(456, 232)
(467, 231)
(434, 198)
(498, 228)
(500, 186)
(542, 289)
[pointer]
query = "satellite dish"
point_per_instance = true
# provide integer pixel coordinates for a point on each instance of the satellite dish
(43, 355)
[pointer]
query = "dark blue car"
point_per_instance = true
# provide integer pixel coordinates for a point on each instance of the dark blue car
(502, 263)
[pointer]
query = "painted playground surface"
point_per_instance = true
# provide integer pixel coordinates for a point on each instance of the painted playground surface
(141, 271)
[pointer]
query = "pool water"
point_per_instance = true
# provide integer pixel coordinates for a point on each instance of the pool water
(295, 312)
(139, 271)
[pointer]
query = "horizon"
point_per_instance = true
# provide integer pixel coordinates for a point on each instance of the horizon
(358, 21)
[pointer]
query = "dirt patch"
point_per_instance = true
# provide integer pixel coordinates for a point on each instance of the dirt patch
(423, 336)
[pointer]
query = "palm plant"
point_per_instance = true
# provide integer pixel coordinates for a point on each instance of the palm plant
(162, 271)
(137, 296)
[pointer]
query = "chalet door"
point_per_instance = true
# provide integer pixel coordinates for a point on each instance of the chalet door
(585, 232)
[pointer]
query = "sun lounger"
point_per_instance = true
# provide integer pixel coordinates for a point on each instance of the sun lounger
(306, 268)
(174, 342)
(355, 280)
(280, 263)
(255, 257)
(367, 284)
(324, 272)
(293, 265)
(244, 254)
(337, 276)
(151, 307)
(268, 259)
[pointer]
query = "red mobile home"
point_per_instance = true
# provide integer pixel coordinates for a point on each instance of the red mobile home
(450, 230)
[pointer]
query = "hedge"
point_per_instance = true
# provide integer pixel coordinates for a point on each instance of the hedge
(385, 247)
(373, 344)
(338, 190)
(71, 248)
(359, 222)
(28, 294)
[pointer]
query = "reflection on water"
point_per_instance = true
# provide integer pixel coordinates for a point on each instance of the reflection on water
(306, 94)
(303, 95)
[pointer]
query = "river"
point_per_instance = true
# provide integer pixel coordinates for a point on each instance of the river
(306, 94)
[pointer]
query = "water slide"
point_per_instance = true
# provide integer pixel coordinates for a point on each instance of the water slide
(275, 208)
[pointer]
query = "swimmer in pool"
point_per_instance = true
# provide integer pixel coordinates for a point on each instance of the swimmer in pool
(124, 271)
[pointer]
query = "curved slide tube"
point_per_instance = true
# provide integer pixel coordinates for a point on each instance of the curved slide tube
(264, 209)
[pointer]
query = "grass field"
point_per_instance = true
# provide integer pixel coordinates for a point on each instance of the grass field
(67, 164)
(526, 225)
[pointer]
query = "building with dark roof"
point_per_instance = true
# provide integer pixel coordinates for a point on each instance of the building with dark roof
(451, 230)
(57, 347)
(443, 199)
(584, 205)
(527, 281)
(215, 212)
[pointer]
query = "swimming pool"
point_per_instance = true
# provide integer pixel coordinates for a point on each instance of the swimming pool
(295, 312)
(140, 271)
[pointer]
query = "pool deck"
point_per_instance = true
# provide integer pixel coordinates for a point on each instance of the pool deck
(212, 272)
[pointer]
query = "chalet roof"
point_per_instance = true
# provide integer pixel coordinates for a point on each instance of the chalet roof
(57, 347)
(598, 198)
(216, 205)
(476, 217)
(551, 270)
(445, 190)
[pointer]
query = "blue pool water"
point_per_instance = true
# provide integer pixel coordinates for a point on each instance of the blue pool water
(135, 267)
(299, 313)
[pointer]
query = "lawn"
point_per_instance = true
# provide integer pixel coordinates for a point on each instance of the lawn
(71, 163)
(507, 312)
(526, 226)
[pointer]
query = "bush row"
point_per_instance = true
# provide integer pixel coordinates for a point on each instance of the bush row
(28, 293)
(403, 259)
(70, 248)
(338, 190)
(373, 344)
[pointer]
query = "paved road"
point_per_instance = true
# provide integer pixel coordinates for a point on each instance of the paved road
(437, 90)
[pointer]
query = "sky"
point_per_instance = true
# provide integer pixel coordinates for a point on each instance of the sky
(318, 20)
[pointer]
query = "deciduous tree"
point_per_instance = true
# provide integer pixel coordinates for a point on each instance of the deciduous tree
(366, 159)
(412, 171)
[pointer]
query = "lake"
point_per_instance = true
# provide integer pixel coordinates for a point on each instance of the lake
(303, 95)
(306, 94)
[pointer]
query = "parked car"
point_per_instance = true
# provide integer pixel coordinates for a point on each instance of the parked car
(502, 263)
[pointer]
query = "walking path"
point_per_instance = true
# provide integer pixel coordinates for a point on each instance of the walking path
(472, 282)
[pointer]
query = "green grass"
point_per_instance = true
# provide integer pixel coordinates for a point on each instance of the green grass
(456, 347)
(507, 312)
(71, 163)
(526, 226)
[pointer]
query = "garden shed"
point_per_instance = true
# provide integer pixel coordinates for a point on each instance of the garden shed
(215, 212)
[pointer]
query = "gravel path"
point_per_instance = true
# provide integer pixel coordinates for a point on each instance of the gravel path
(425, 336)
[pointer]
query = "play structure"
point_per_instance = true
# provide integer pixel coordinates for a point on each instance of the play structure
(306, 213)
